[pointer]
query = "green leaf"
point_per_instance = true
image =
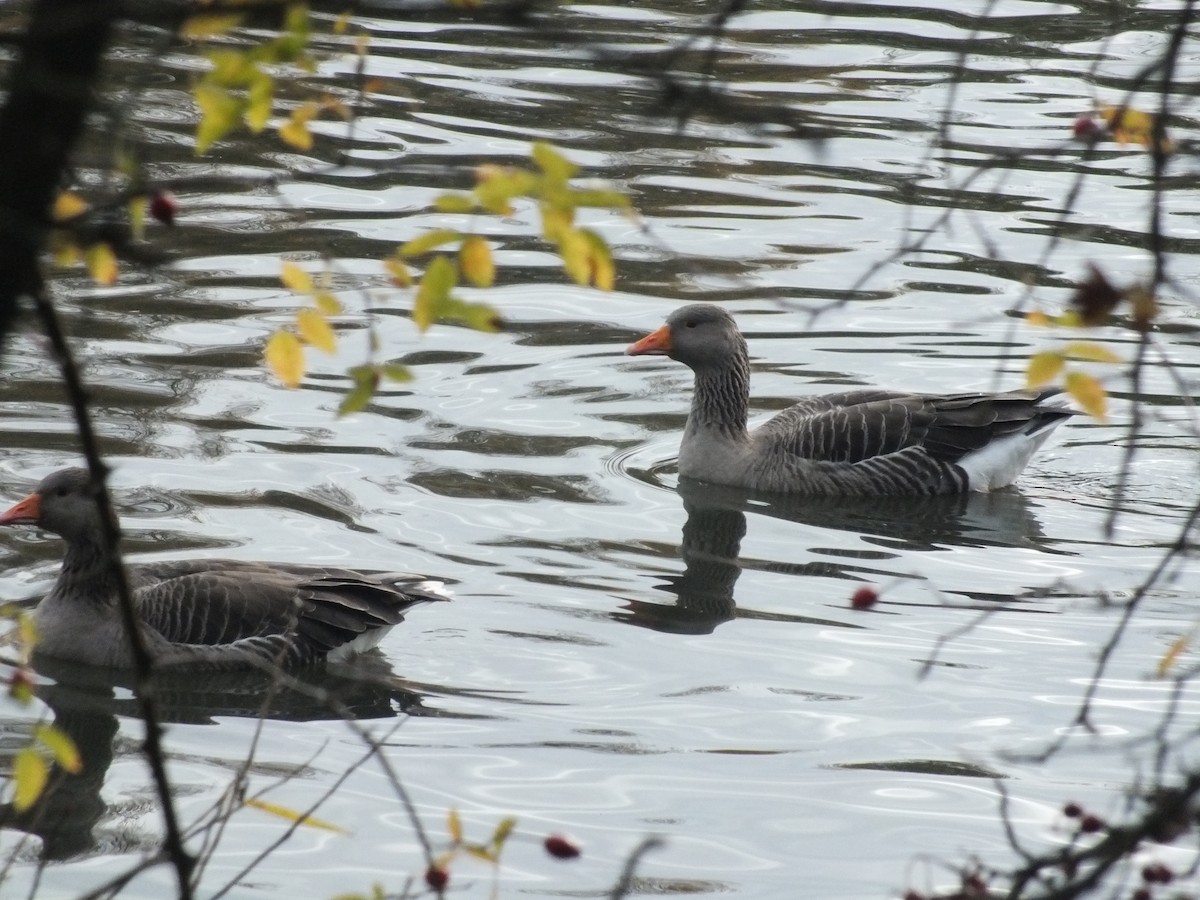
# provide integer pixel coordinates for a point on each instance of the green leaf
(599, 199)
(475, 261)
(366, 380)
(396, 372)
(503, 829)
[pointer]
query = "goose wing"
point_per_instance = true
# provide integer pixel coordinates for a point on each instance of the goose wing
(856, 426)
(303, 610)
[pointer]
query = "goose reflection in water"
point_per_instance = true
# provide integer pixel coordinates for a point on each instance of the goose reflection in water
(86, 702)
(888, 526)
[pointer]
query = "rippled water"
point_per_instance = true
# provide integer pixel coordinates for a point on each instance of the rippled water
(783, 744)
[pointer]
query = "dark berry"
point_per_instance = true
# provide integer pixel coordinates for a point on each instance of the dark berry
(561, 847)
(437, 878)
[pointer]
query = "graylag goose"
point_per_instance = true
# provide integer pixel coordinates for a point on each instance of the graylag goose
(862, 442)
(203, 612)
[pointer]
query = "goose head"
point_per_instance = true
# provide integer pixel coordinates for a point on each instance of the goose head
(64, 503)
(700, 336)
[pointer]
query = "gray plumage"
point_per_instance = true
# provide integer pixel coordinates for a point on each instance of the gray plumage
(861, 442)
(206, 612)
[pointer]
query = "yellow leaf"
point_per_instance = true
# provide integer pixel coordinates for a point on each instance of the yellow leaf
(487, 854)
(284, 355)
(556, 166)
(1043, 368)
(327, 303)
(503, 829)
(1088, 393)
(295, 132)
(1132, 126)
(67, 206)
(433, 292)
(599, 199)
(316, 330)
(400, 273)
(61, 747)
(258, 102)
(428, 241)
(208, 25)
(29, 775)
(556, 220)
(292, 815)
(575, 256)
(342, 23)
(1037, 318)
(475, 261)
(27, 629)
(1090, 352)
(296, 279)
(102, 264)
(600, 262)
(1178, 646)
(218, 115)
(479, 316)
(454, 203)
(454, 826)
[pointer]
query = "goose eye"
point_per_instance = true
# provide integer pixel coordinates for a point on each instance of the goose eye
(691, 323)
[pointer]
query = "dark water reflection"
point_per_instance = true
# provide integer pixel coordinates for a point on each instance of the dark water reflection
(712, 535)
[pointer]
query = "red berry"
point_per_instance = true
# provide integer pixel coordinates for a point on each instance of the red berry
(913, 895)
(561, 847)
(864, 598)
(437, 878)
(1091, 823)
(1072, 810)
(163, 207)
(1087, 129)
(1141, 894)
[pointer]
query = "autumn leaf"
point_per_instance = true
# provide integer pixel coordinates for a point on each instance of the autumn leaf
(575, 256)
(454, 826)
(475, 261)
(1090, 352)
(258, 102)
(602, 270)
(430, 240)
(556, 166)
(315, 329)
(1177, 649)
(1043, 368)
(67, 206)
(219, 112)
(296, 279)
(295, 131)
(284, 812)
(327, 303)
(29, 775)
(1132, 126)
(366, 380)
(433, 292)
(61, 747)
(102, 264)
(284, 356)
(454, 203)
(401, 274)
(1089, 393)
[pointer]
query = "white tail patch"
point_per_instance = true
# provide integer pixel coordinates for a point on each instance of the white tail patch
(1001, 462)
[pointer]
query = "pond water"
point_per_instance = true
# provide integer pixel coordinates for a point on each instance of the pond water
(627, 657)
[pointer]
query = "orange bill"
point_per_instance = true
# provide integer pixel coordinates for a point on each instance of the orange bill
(26, 512)
(657, 342)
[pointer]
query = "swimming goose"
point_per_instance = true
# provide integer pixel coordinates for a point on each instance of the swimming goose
(206, 612)
(862, 442)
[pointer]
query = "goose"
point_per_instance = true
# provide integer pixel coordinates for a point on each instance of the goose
(221, 613)
(861, 442)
